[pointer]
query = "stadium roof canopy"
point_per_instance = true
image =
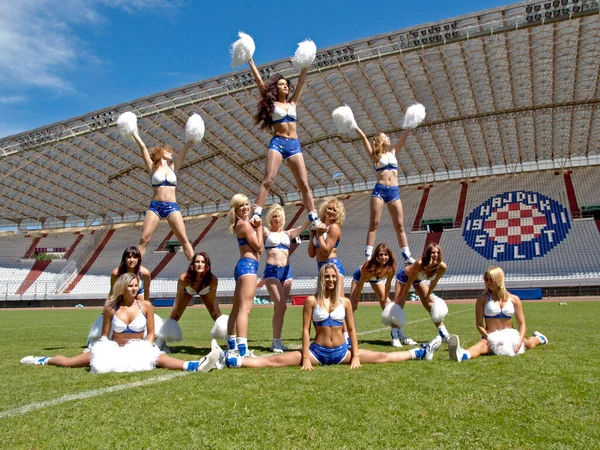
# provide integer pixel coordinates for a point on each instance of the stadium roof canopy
(506, 90)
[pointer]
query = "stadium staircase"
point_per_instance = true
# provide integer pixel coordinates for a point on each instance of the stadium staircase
(74, 246)
(417, 223)
(34, 274)
(571, 196)
(34, 244)
(90, 261)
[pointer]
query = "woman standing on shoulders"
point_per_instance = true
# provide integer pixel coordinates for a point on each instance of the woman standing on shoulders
(278, 272)
(386, 190)
(494, 311)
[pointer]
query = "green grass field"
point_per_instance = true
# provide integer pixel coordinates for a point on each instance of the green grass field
(547, 398)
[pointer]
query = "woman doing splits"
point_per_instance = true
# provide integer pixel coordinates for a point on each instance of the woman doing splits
(250, 241)
(197, 282)
(128, 318)
(162, 170)
(496, 307)
(328, 312)
(277, 112)
(325, 240)
(278, 272)
(379, 272)
(386, 190)
(429, 267)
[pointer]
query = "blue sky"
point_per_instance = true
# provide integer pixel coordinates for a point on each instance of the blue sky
(63, 58)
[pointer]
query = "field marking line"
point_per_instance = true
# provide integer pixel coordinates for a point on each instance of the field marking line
(87, 394)
(96, 392)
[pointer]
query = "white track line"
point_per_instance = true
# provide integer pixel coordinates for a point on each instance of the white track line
(88, 394)
(96, 392)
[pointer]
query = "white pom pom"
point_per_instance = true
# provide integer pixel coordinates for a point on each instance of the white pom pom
(439, 310)
(170, 331)
(127, 124)
(219, 329)
(242, 50)
(343, 118)
(502, 342)
(394, 315)
(415, 114)
(305, 54)
(136, 356)
(194, 129)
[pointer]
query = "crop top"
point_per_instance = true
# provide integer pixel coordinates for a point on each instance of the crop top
(492, 310)
(158, 179)
(281, 115)
(242, 241)
(322, 318)
(137, 325)
(387, 161)
(277, 239)
(190, 290)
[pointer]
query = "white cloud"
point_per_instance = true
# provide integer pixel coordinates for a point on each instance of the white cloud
(11, 99)
(38, 43)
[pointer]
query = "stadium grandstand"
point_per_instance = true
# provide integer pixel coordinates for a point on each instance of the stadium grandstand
(504, 170)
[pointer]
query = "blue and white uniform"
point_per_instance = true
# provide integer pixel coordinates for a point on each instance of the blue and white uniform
(287, 147)
(279, 240)
(372, 280)
(137, 325)
(335, 261)
(163, 209)
(321, 318)
(402, 277)
(492, 309)
(245, 266)
(388, 194)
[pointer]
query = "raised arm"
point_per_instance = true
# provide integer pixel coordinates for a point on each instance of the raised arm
(145, 153)
(365, 142)
(401, 141)
(312, 249)
(295, 232)
(307, 312)
(298, 91)
(181, 156)
(333, 234)
(256, 74)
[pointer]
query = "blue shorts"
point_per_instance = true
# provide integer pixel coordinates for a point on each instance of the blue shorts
(335, 261)
(282, 273)
(245, 266)
(286, 146)
(163, 209)
(356, 277)
(388, 194)
(403, 278)
(328, 356)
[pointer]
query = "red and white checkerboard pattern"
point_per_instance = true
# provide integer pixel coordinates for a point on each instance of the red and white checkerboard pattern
(515, 223)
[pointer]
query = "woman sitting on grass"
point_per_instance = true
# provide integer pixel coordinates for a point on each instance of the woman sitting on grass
(328, 312)
(497, 307)
(128, 318)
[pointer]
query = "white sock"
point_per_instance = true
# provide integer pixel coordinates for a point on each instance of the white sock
(258, 210)
(443, 331)
(396, 333)
(405, 253)
(369, 251)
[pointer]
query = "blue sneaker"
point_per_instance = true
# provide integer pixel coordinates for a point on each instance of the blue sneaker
(541, 337)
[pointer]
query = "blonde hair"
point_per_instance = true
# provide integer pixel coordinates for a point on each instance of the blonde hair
(321, 286)
(275, 208)
(340, 211)
(120, 287)
(236, 201)
(156, 154)
(496, 274)
(377, 146)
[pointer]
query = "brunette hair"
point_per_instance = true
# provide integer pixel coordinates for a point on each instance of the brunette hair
(268, 97)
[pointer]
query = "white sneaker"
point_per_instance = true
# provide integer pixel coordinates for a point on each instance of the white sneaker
(454, 349)
(278, 347)
(209, 362)
(34, 360)
(249, 354)
(541, 337)
(431, 347)
(408, 341)
(222, 355)
(396, 343)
